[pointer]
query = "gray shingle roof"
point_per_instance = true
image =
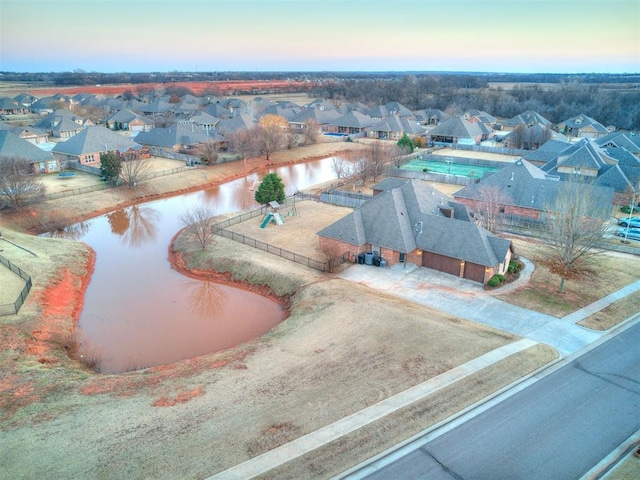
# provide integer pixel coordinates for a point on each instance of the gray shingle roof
(321, 117)
(92, 140)
(181, 133)
(354, 119)
(628, 141)
(547, 151)
(12, 145)
(411, 216)
(527, 186)
(529, 118)
(457, 127)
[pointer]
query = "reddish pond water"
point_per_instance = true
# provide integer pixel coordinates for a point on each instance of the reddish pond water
(138, 312)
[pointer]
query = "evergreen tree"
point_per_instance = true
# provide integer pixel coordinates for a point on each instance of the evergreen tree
(405, 143)
(270, 189)
(110, 165)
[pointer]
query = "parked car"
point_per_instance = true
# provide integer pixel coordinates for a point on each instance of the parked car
(630, 233)
(633, 222)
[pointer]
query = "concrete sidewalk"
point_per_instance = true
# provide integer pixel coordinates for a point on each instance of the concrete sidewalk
(468, 300)
(278, 456)
(461, 298)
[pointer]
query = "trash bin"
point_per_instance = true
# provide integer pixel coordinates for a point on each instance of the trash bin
(376, 260)
(368, 258)
(361, 258)
(383, 262)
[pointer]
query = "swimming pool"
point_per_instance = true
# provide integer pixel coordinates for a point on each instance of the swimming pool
(458, 169)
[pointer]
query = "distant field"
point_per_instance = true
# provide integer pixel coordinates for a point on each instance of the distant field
(249, 87)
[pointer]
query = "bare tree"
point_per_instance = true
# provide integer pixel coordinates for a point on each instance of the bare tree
(333, 256)
(310, 132)
(270, 133)
(377, 159)
(199, 222)
(208, 152)
(245, 143)
(517, 136)
(19, 186)
(576, 221)
(490, 207)
(135, 171)
(342, 166)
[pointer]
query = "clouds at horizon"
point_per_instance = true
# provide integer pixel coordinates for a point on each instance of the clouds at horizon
(287, 35)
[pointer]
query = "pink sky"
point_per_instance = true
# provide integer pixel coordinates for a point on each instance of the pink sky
(288, 35)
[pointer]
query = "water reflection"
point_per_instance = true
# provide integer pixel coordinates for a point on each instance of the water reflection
(140, 312)
(71, 232)
(206, 298)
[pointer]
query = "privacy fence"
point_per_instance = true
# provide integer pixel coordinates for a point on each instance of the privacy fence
(221, 229)
(13, 308)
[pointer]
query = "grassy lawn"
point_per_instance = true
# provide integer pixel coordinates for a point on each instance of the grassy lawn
(541, 293)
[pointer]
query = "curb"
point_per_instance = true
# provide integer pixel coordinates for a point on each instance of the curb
(380, 460)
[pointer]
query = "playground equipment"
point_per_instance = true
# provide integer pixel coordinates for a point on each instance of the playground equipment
(271, 217)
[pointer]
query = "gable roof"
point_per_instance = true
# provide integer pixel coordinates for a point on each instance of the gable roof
(457, 127)
(11, 145)
(547, 151)
(181, 133)
(354, 119)
(581, 121)
(413, 216)
(395, 123)
(527, 186)
(321, 117)
(242, 121)
(628, 141)
(528, 117)
(92, 140)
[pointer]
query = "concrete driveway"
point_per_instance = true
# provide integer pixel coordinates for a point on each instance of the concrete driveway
(466, 299)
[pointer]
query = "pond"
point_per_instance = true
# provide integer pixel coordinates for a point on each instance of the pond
(139, 312)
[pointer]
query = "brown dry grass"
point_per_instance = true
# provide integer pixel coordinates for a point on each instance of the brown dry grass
(615, 313)
(358, 446)
(342, 348)
(298, 233)
(541, 293)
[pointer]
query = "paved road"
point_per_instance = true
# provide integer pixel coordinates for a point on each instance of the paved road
(557, 428)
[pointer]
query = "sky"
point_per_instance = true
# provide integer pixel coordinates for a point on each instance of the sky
(527, 36)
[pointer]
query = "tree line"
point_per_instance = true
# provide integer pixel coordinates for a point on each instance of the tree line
(609, 104)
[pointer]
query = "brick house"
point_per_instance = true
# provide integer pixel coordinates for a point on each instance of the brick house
(526, 191)
(415, 223)
(85, 147)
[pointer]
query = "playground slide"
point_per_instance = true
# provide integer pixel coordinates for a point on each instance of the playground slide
(278, 219)
(266, 220)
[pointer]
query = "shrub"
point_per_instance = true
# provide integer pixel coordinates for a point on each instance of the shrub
(496, 280)
(627, 209)
(514, 266)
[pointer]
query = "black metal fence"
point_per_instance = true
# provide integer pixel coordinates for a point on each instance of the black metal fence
(13, 308)
(221, 229)
(79, 191)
